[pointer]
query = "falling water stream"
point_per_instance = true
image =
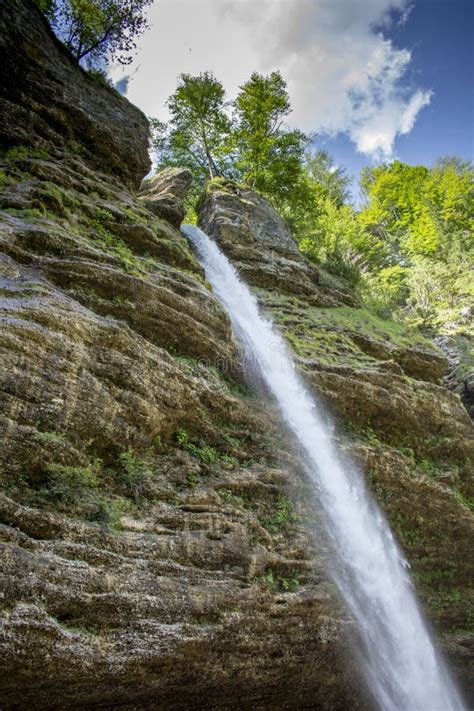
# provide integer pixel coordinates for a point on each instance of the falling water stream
(400, 663)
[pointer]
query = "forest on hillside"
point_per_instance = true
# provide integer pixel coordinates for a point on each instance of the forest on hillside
(407, 246)
(402, 238)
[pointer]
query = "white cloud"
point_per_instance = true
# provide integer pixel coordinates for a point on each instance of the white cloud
(343, 75)
(403, 19)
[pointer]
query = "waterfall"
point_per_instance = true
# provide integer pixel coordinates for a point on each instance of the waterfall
(401, 665)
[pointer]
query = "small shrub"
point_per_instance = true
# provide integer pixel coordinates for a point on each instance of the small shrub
(122, 300)
(50, 438)
(466, 501)
(22, 152)
(277, 583)
(284, 511)
(106, 512)
(289, 584)
(182, 438)
(134, 475)
(193, 479)
(282, 514)
(230, 498)
(207, 454)
(69, 484)
(103, 215)
(158, 443)
(100, 77)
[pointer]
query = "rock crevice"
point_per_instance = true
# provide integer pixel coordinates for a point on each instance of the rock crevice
(159, 542)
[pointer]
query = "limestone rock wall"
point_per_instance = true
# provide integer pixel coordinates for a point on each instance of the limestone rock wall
(48, 102)
(153, 530)
(158, 545)
(383, 385)
(153, 555)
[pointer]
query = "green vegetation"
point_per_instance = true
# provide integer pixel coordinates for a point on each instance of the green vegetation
(25, 152)
(409, 529)
(51, 438)
(99, 30)
(467, 501)
(206, 454)
(230, 498)
(134, 475)
(88, 491)
(423, 219)
(250, 144)
(129, 261)
(106, 512)
(267, 154)
(69, 483)
(282, 514)
(77, 487)
(193, 479)
(198, 126)
(279, 583)
(346, 335)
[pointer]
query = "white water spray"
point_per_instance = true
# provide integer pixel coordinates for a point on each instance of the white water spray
(402, 667)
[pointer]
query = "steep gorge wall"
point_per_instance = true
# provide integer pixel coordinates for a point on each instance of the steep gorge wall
(154, 524)
(152, 555)
(383, 385)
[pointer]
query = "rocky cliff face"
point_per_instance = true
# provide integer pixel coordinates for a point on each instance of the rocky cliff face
(412, 436)
(48, 102)
(154, 525)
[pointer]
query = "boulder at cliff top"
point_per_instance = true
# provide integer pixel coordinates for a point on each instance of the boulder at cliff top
(159, 544)
(147, 563)
(49, 102)
(254, 236)
(164, 194)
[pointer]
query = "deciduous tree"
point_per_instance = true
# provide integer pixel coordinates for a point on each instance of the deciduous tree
(269, 154)
(198, 129)
(97, 30)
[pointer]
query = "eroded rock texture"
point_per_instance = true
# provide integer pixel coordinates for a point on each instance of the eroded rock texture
(49, 102)
(412, 436)
(158, 547)
(154, 551)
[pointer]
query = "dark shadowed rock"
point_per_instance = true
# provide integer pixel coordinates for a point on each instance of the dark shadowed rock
(164, 194)
(47, 101)
(159, 545)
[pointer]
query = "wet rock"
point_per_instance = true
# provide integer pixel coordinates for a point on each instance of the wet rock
(164, 194)
(146, 560)
(48, 102)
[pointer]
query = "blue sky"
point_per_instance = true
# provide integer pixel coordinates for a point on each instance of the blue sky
(440, 36)
(375, 79)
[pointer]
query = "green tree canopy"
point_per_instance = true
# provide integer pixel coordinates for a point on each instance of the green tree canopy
(198, 128)
(269, 155)
(332, 179)
(252, 146)
(420, 208)
(98, 30)
(426, 218)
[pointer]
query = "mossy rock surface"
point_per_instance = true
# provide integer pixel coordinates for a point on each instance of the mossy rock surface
(159, 539)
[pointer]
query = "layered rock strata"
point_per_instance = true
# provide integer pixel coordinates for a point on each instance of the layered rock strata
(158, 546)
